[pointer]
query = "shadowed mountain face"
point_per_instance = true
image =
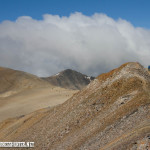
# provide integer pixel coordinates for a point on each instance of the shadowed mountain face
(70, 79)
(111, 113)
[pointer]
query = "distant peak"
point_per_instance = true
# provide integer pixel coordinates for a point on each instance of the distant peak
(70, 79)
(68, 70)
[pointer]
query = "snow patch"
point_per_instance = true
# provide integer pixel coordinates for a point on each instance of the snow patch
(57, 74)
(89, 78)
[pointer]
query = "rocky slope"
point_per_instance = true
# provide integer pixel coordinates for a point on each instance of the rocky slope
(70, 79)
(111, 113)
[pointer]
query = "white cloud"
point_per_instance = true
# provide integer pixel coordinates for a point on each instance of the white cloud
(89, 44)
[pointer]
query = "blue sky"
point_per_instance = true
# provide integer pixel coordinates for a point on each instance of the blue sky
(95, 36)
(135, 11)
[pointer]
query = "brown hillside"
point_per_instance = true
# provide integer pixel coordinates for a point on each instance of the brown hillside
(22, 93)
(111, 113)
(12, 81)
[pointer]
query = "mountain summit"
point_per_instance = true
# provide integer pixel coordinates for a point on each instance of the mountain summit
(69, 79)
(111, 113)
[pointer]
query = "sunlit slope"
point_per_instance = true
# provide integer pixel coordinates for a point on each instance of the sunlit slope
(13, 81)
(22, 93)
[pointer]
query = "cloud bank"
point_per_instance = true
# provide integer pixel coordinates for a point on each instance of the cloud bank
(89, 44)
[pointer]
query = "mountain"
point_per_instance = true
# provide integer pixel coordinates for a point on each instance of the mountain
(12, 81)
(69, 79)
(22, 93)
(111, 113)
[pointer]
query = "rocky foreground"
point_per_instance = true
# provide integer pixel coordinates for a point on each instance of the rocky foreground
(111, 113)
